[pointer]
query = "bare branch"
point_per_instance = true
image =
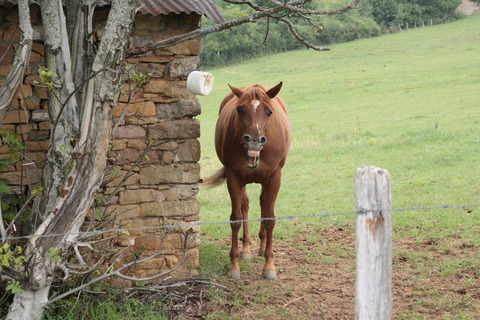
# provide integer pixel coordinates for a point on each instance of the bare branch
(250, 3)
(294, 8)
(294, 32)
(22, 57)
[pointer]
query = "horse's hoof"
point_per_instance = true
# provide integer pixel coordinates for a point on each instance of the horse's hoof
(269, 274)
(245, 256)
(261, 253)
(234, 274)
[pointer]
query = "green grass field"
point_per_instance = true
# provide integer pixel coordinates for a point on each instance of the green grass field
(407, 102)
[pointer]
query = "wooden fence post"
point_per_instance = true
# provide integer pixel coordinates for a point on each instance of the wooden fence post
(373, 291)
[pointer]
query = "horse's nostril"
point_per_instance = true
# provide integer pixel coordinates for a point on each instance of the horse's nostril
(263, 139)
(246, 138)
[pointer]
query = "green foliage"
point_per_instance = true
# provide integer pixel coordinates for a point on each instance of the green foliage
(12, 259)
(53, 254)
(140, 79)
(46, 78)
(14, 286)
(15, 148)
(106, 307)
(373, 18)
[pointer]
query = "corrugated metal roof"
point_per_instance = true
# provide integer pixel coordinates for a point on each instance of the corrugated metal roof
(206, 7)
(157, 7)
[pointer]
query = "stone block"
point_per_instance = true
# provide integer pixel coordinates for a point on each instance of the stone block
(15, 116)
(141, 121)
(170, 208)
(7, 53)
(36, 135)
(32, 102)
(173, 173)
(185, 48)
(44, 125)
(40, 115)
(123, 212)
(31, 177)
(185, 191)
(153, 59)
(38, 158)
(136, 143)
(118, 144)
(7, 127)
(178, 109)
(41, 92)
(35, 57)
(25, 128)
(24, 91)
(180, 68)
(40, 145)
(153, 224)
(189, 151)
(175, 129)
(11, 34)
(168, 157)
(4, 69)
(38, 48)
(140, 196)
(130, 156)
(149, 22)
(115, 181)
(166, 88)
(167, 146)
(143, 109)
(130, 132)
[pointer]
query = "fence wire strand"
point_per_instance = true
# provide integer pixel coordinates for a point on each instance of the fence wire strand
(202, 223)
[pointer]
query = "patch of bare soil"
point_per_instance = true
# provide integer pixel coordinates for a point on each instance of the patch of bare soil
(431, 280)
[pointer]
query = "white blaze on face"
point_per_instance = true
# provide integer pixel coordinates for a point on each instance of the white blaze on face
(255, 104)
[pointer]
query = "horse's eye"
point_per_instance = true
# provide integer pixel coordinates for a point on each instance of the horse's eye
(268, 112)
(241, 109)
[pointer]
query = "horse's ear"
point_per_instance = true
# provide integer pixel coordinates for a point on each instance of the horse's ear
(272, 93)
(236, 91)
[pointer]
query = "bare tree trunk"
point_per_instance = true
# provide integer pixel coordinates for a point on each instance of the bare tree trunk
(74, 176)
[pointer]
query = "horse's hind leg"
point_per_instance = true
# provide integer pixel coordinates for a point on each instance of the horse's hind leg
(247, 239)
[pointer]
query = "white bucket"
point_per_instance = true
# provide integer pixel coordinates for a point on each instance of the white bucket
(200, 83)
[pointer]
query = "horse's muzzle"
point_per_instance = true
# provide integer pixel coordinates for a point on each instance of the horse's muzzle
(253, 146)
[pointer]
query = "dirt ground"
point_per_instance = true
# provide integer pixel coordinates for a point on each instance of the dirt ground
(317, 280)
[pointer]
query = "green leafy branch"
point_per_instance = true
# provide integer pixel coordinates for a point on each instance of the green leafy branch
(46, 78)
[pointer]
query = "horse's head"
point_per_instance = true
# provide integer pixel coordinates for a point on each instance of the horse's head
(254, 108)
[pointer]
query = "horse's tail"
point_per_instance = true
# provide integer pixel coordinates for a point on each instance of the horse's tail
(216, 179)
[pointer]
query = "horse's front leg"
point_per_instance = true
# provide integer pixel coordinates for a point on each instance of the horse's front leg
(247, 239)
(267, 203)
(235, 191)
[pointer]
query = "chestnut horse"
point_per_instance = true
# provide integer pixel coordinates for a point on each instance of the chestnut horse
(252, 140)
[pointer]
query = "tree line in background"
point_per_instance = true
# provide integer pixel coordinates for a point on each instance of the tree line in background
(372, 18)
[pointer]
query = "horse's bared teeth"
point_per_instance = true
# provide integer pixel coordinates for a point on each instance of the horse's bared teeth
(253, 153)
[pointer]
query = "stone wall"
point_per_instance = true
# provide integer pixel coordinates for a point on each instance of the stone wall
(155, 143)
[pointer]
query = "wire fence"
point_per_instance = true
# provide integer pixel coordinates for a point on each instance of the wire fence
(202, 223)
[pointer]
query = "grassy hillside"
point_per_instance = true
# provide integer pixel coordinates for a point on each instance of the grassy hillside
(407, 102)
